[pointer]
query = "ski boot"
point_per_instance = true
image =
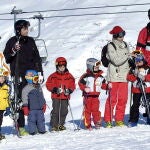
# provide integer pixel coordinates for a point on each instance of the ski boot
(2, 137)
(61, 128)
(132, 124)
(109, 124)
(98, 125)
(23, 132)
(120, 124)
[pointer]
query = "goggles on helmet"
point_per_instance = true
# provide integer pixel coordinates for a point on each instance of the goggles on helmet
(61, 63)
(31, 79)
(94, 64)
(3, 72)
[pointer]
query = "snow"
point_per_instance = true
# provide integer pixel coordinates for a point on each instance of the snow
(77, 38)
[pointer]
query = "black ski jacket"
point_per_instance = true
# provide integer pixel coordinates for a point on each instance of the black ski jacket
(28, 56)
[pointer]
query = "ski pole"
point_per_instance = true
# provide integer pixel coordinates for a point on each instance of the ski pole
(72, 116)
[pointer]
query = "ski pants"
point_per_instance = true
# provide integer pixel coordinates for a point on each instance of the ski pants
(1, 118)
(118, 96)
(59, 112)
(36, 121)
(21, 119)
(91, 108)
(134, 112)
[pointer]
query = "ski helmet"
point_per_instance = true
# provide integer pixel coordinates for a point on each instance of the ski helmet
(139, 58)
(91, 63)
(30, 74)
(19, 24)
(149, 13)
(61, 61)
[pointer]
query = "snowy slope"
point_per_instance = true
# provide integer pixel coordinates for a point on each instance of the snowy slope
(77, 38)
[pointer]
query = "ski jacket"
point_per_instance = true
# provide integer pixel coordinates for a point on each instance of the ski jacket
(135, 82)
(4, 88)
(143, 42)
(119, 66)
(28, 55)
(60, 80)
(95, 82)
(32, 96)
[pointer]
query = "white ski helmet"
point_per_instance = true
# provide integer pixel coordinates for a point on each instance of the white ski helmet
(91, 62)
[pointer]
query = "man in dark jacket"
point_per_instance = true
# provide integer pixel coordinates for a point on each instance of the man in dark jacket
(22, 54)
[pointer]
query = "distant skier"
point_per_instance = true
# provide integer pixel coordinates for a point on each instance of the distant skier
(143, 41)
(91, 84)
(61, 84)
(34, 104)
(23, 49)
(142, 71)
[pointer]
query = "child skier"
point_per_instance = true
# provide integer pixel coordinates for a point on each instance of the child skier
(4, 98)
(140, 73)
(61, 84)
(34, 104)
(91, 83)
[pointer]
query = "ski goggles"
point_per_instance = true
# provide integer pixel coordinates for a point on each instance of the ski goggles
(137, 52)
(62, 63)
(119, 35)
(94, 64)
(3, 72)
(34, 78)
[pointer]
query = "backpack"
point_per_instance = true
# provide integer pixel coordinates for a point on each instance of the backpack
(104, 59)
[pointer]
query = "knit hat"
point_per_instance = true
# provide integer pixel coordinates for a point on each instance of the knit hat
(116, 30)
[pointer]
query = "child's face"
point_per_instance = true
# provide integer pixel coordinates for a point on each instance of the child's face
(61, 68)
(24, 31)
(2, 79)
(96, 68)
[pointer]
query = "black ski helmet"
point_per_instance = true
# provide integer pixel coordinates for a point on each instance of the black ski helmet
(149, 14)
(19, 24)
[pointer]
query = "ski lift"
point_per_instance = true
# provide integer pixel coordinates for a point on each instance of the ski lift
(40, 42)
(42, 50)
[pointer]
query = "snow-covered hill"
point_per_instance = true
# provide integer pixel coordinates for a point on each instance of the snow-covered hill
(77, 38)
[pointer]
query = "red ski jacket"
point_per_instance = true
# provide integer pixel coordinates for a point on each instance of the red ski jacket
(135, 86)
(60, 80)
(96, 82)
(143, 42)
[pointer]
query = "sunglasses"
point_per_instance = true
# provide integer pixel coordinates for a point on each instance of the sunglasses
(119, 35)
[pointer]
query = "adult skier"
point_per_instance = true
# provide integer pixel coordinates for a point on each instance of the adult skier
(22, 54)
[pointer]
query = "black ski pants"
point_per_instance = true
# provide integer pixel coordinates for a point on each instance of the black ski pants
(1, 118)
(59, 112)
(134, 111)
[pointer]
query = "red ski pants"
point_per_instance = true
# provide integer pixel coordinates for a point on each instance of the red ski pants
(118, 96)
(91, 108)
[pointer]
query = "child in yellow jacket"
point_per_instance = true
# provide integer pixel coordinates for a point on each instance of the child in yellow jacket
(4, 95)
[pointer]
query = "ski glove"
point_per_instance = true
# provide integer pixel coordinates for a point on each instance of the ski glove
(25, 110)
(41, 78)
(57, 90)
(15, 49)
(7, 111)
(67, 91)
(44, 108)
(87, 89)
(142, 77)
